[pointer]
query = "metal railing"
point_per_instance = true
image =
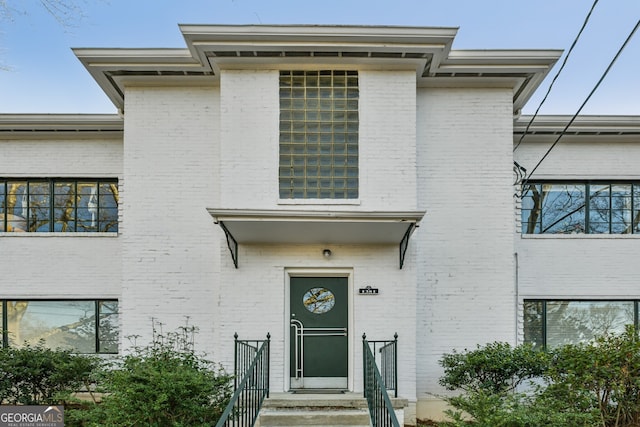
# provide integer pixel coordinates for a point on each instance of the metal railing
(251, 382)
(377, 381)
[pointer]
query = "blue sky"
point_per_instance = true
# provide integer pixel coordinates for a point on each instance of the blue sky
(40, 74)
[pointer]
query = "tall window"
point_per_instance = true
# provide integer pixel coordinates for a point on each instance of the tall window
(578, 207)
(318, 135)
(83, 326)
(58, 205)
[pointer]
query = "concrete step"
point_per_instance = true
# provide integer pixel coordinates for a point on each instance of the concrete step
(314, 417)
(336, 410)
(318, 400)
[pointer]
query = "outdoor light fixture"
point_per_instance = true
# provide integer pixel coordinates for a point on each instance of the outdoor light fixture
(326, 253)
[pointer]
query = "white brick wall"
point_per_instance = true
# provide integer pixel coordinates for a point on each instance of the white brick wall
(568, 266)
(253, 299)
(50, 265)
(249, 104)
(579, 266)
(250, 137)
(465, 267)
(387, 140)
(170, 249)
(584, 158)
(61, 158)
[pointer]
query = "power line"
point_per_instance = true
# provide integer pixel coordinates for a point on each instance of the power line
(575, 41)
(526, 180)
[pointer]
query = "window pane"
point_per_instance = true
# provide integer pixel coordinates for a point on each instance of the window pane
(562, 208)
(636, 208)
(621, 208)
(599, 208)
(56, 324)
(64, 204)
(108, 326)
(87, 210)
(16, 206)
(108, 217)
(319, 123)
(39, 206)
(530, 210)
(2, 205)
(570, 322)
(533, 323)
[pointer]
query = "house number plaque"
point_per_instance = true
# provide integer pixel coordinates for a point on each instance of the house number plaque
(368, 290)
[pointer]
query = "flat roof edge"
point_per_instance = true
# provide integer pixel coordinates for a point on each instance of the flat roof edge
(35, 123)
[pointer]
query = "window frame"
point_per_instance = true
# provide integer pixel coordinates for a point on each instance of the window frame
(98, 347)
(51, 206)
(544, 313)
(587, 225)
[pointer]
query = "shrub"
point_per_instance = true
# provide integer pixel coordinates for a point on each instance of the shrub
(162, 384)
(42, 376)
(489, 377)
(603, 375)
(494, 368)
(509, 409)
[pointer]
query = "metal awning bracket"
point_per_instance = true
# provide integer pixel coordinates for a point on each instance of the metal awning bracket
(231, 243)
(404, 243)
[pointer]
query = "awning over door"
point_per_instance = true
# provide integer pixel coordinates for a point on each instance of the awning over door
(242, 226)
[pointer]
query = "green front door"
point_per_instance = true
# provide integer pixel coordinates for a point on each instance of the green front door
(319, 336)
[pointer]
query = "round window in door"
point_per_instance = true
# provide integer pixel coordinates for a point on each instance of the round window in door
(318, 300)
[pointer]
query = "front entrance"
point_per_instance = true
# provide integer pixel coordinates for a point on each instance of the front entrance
(319, 335)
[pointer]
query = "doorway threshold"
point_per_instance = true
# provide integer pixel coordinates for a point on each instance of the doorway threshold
(318, 391)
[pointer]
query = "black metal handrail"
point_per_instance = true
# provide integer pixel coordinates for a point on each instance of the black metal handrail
(251, 382)
(376, 385)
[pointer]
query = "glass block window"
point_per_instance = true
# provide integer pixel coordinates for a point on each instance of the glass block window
(318, 135)
(592, 207)
(82, 326)
(58, 205)
(549, 324)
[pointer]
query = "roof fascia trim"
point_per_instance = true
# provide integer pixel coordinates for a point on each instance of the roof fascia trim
(314, 215)
(530, 64)
(102, 62)
(588, 125)
(21, 125)
(436, 42)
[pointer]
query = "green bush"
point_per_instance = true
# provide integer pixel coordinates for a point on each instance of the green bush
(590, 384)
(494, 368)
(509, 409)
(603, 375)
(490, 376)
(41, 376)
(162, 384)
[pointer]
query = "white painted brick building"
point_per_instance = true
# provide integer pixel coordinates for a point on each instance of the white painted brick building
(216, 220)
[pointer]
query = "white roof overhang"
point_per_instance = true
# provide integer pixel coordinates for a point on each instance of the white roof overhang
(316, 227)
(581, 126)
(212, 48)
(51, 126)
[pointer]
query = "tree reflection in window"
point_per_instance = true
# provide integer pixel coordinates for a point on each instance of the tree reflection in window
(59, 205)
(555, 323)
(318, 300)
(83, 326)
(580, 208)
